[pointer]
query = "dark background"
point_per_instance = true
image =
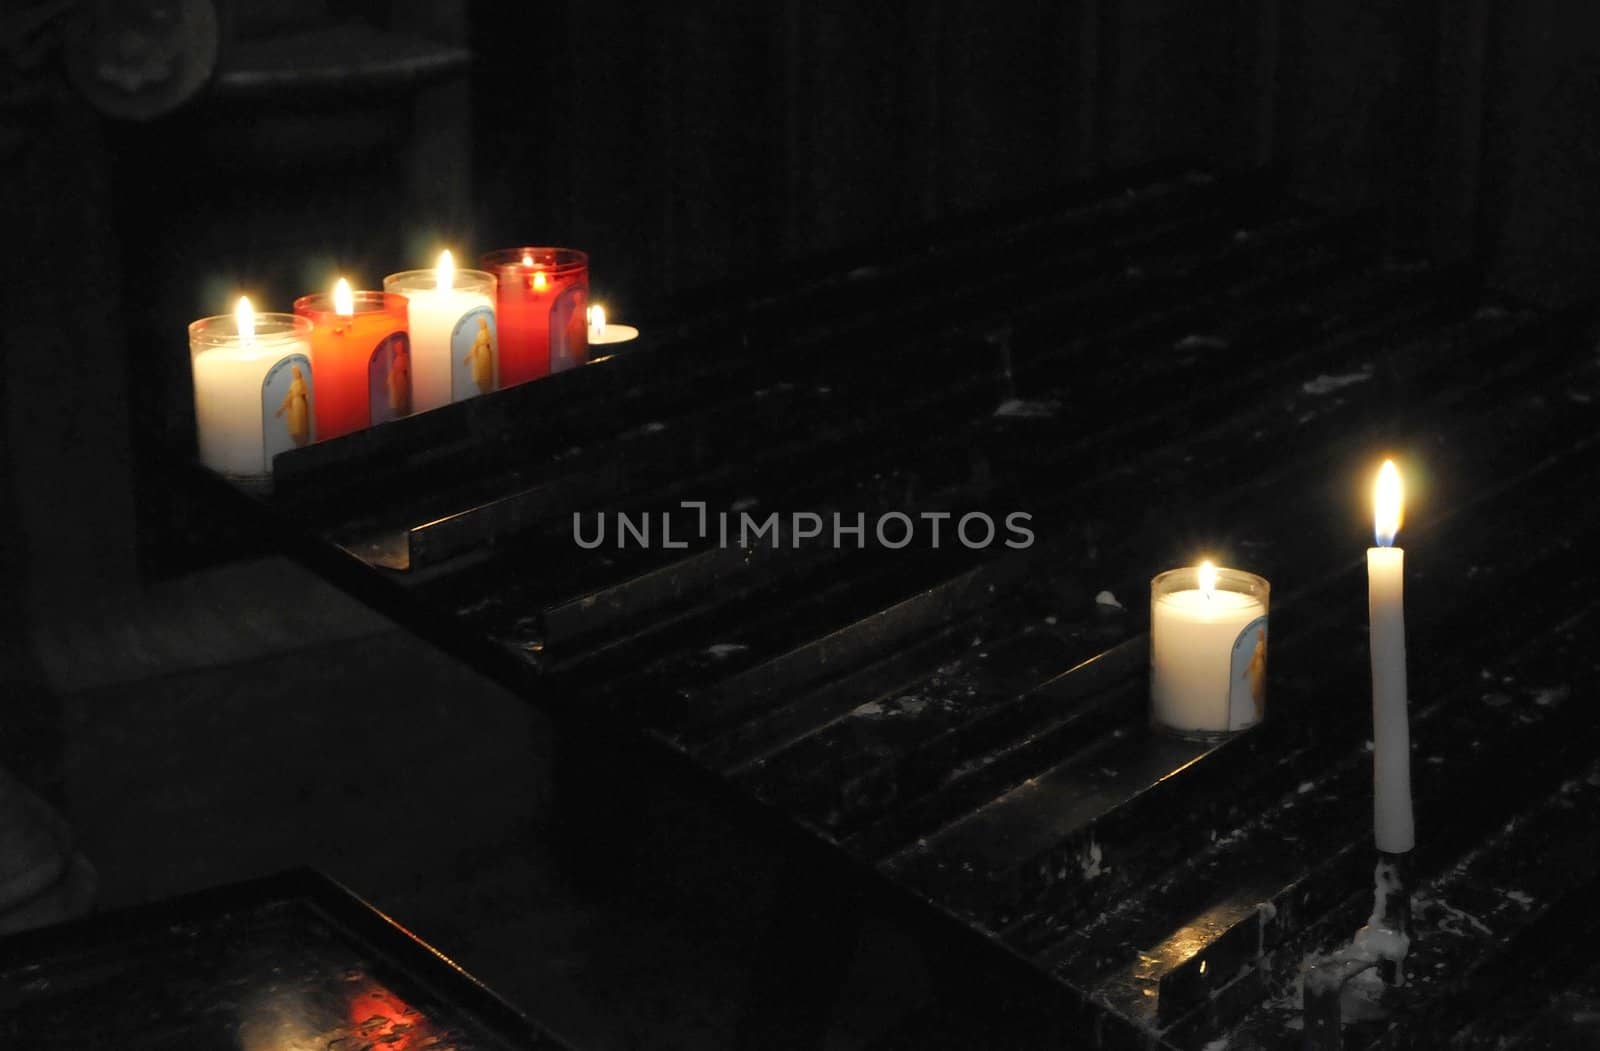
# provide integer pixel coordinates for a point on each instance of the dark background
(681, 144)
(684, 146)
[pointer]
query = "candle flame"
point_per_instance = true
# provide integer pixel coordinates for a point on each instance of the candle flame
(344, 301)
(244, 316)
(597, 321)
(527, 258)
(539, 281)
(1388, 500)
(1208, 578)
(445, 272)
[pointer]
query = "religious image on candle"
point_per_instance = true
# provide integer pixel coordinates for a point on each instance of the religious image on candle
(389, 378)
(253, 389)
(1208, 650)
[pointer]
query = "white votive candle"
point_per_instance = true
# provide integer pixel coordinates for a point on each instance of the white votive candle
(1208, 650)
(602, 331)
(455, 348)
(253, 391)
(1393, 823)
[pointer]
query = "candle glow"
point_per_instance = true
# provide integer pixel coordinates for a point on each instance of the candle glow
(244, 316)
(540, 283)
(446, 271)
(1207, 578)
(1388, 501)
(602, 332)
(344, 301)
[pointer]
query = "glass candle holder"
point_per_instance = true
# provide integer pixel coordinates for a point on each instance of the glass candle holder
(253, 395)
(1208, 652)
(454, 338)
(362, 360)
(543, 300)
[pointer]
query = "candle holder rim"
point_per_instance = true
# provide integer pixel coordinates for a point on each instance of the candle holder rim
(566, 261)
(219, 330)
(1241, 581)
(366, 301)
(431, 276)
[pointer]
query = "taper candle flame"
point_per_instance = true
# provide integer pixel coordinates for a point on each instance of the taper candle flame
(445, 272)
(597, 321)
(1388, 500)
(1208, 579)
(244, 315)
(344, 301)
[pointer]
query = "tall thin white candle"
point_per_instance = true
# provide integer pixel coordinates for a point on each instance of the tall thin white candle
(1393, 824)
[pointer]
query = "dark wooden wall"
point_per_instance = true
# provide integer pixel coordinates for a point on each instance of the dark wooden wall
(685, 142)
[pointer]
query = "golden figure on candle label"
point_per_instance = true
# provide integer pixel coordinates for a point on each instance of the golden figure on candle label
(297, 405)
(389, 378)
(481, 358)
(1247, 692)
(472, 346)
(1258, 672)
(399, 380)
(288, 408)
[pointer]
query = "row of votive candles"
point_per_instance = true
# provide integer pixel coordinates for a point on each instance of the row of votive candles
(345, 360)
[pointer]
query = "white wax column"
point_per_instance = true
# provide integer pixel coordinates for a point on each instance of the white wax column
(1193, 635)
(1391, 731)
(231, 416)
(455, 351)
(434, 315)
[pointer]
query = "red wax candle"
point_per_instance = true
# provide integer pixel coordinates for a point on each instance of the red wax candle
(541, 311)
(361, 357)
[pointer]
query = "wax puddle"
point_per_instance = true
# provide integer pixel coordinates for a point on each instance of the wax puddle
(1327, 384)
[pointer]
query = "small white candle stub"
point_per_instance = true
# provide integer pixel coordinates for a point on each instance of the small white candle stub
(1393, 827)
(602, 331)
(253, 395)
(1208, 650)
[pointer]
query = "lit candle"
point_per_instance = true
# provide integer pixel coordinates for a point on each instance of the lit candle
(1391, 731)
(453, 336)
(253, 393)
(602, 332)
(541, 297)
(361, 351)
(1208, 650)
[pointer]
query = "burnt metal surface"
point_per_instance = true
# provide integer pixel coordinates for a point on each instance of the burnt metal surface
(292, 960)
(1151, 368)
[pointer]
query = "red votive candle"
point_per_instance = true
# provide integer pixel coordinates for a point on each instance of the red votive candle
(541, 311)
(361, 356)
